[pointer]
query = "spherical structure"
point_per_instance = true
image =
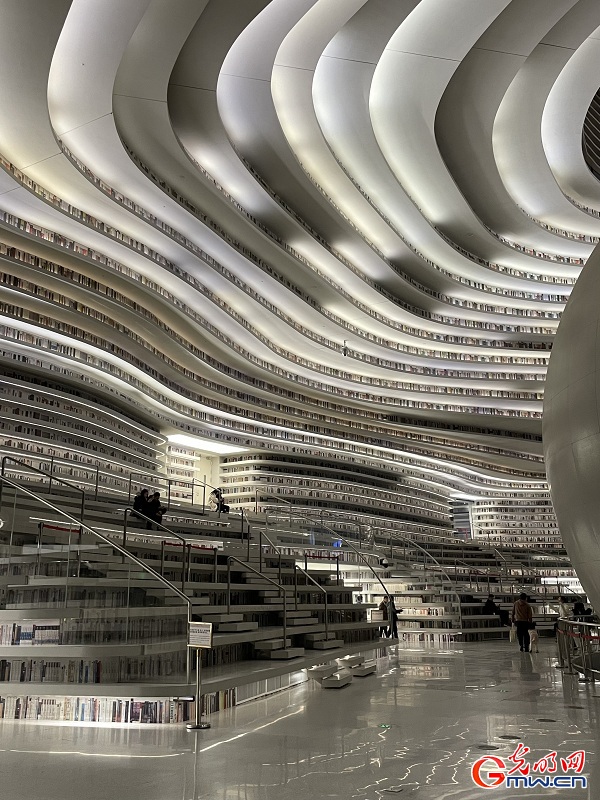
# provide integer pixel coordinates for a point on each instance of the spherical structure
(571, 427)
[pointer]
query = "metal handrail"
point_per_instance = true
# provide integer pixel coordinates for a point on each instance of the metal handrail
(441, 568)
(298, 568)
(336, 535)
(125, 553)
(186, 547)
(489, 574)
(529, 571)
(95, 470)
(435, 537)
(169, 481)
(80, 467)
(453, 542)
(441, 539)
(246, 517)
(568, 632)
(521, 564)
(344, 520)
(305, 573)
(41, 472)
(230, 560)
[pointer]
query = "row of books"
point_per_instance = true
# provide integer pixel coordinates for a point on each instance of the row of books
(120, 629)
(54, 596)
(433, 636)
(413, 625)
(22, 634)
(229, 654)
(95, 709)
(277, 683)
(424, 612)
(355, 637)
(40, 671)
(162, 665)
(72, 351)
(218, 701)
(82, 596)
(74, 407)
(116, 710)
(108, 670)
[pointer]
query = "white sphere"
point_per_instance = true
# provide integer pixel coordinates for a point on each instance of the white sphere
(571, 427)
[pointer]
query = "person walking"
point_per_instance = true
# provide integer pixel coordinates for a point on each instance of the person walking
(522, 617)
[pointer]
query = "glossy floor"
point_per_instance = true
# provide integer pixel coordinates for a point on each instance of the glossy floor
(412, 731)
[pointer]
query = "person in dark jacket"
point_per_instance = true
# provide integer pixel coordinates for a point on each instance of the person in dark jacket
(522, 617)
(216, 502)
(491, 607)
(393, 619)
(155, 510)
(383, 607)
(140, 503)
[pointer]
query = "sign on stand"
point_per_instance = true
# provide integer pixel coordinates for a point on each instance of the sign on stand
(200, 635)
(199, 638)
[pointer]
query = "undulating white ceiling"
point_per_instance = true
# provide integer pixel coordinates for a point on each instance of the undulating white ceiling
(330, 224)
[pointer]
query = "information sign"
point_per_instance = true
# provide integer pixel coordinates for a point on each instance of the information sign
(200, 634)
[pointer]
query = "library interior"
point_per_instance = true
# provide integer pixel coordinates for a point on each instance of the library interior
(299, 399)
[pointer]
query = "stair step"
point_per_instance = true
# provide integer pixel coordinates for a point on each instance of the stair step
(264, 585)
(368, 668)
(236, 627)
(351, 661)
(303, 621)
(284, 653)
(325, 644)
(337, 680)
(318, 637)
(272, 572)
(218, 618)
(322, 671)
(199, 601)
(272, 644)
(303, 614)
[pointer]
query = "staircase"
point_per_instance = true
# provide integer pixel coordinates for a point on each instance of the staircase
(104, 610)
(108, 607)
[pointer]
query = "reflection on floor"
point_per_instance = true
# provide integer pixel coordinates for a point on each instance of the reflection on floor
(412, 731)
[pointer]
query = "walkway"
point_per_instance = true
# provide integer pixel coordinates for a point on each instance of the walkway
(412, 732)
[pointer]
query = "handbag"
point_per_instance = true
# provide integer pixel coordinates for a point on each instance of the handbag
(512, 637)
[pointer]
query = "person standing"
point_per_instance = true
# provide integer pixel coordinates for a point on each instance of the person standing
(393, 619)
(383, 607)
(522, 617)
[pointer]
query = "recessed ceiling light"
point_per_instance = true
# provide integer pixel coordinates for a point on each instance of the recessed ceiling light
(204, 444)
